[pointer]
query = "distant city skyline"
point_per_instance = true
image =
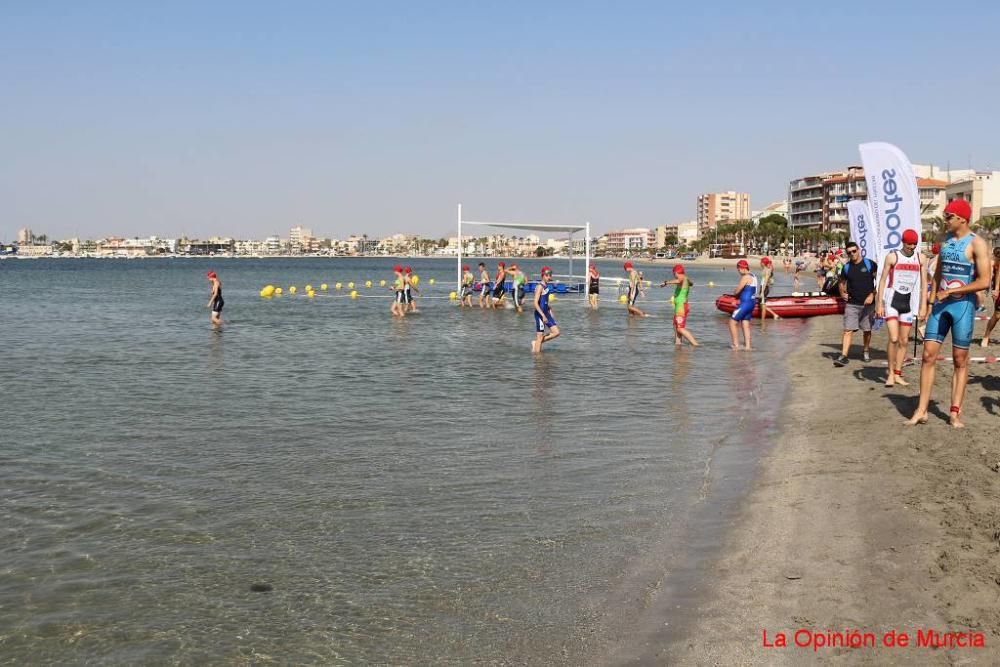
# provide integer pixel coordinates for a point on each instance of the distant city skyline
(244, 120)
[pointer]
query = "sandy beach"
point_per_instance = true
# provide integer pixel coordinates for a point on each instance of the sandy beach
(857, 522)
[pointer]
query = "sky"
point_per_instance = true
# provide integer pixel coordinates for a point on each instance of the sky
(246, 118)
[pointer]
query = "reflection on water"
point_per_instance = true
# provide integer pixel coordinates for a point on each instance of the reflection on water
(413, 491)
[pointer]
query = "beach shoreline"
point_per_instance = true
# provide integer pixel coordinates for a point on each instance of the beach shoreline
(856, 522)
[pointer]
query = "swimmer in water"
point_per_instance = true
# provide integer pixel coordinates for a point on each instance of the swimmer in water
(216, 302)
(634, 290)
(544, 318)
(681, 307)
(593, 286)
(467, 280)
(746, 292)
(499, 286)
(409, 288)
(484, 287)
(518, 281)
(398, 308)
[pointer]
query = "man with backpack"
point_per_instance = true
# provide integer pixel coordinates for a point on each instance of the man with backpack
(857, 285)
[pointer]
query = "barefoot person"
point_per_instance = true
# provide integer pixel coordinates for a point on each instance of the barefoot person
(681, 307)
(766, 282)
(963, 269)
(996, 299)
(409, 287)
(593, 286)
(485, 291)
(746, 292)
(634, 290)
(518, 280)
(903, 291)
(500, 286)
(857, 285)
(398, 308)
(544, 317)
(215, 302)
(467, 280)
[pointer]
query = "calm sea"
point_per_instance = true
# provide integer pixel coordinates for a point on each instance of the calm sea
(410, 492)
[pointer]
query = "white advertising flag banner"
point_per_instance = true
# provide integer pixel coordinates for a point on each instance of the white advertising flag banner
(893, 197)
(862, 231)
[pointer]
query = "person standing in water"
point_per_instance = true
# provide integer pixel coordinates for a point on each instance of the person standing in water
(398, 308)
(409, 288)
(593, 286)
(996, 299)
(766, 281)
(485, 300)
(634, 290)
(746, 292)
(499, 287)
(467, 280)
(963, 269)
(215, 302)
(518, 280)
(681, 307)
(544, 318)
(901, 296)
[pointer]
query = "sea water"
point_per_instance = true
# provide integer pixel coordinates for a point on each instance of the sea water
(410, 491)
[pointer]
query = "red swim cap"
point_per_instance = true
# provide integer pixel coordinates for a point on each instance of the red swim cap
(766, 261)
(910, 236)
(628, 265)
(678, 268)
(936, 249)
(465, 267)
(501, 264)
(545, 270)
(397, 268)
(743, 264)
(409, 270)
(959, 207)
(211, 275)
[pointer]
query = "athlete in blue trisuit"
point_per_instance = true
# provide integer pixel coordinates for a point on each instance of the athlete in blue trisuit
(746, 292)
(963, 269)
(543, 312)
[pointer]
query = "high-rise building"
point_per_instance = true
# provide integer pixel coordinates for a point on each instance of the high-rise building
(24, 236)
(716, 208)
(299, 236)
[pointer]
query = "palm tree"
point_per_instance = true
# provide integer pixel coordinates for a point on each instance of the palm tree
(989, 226)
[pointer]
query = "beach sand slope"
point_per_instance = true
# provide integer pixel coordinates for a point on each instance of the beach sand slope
(857, 522)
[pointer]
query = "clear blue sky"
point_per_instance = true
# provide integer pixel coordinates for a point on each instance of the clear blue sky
(245, 118)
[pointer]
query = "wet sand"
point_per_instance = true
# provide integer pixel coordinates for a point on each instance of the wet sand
(858, 522)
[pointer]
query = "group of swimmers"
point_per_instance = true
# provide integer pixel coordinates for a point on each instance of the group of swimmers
(403, 287)
(493, 292)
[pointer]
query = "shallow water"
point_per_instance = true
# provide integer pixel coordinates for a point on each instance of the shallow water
(413, 491)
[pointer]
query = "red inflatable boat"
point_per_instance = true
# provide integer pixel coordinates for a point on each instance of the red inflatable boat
(806, 305)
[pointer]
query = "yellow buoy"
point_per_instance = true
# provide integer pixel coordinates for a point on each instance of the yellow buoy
(711, 284)
(292, 289)
(338, 285)
(310, 294)
(415, 279)
(278, 291)
(309, 288)
(552, 297)
(622, 299)
(452, 295)
(323, 287)
(368, 283)
(381, 283)
(350, 285)
(267, 291)
(354, 295)
(430, 282)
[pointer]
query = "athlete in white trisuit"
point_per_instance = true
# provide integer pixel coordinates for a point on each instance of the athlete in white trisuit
(903, 290)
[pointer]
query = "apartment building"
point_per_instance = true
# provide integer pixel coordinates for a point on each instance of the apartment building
(981, 190)
(630, 240)
(717, 208)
